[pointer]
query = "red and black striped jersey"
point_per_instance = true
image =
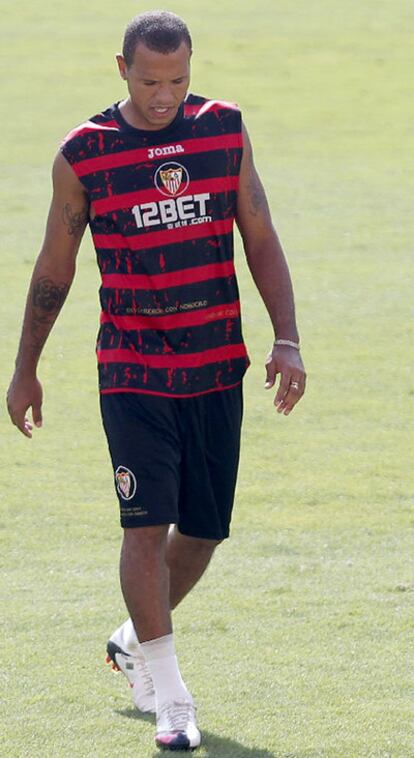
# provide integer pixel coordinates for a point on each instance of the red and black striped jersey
(162, 207)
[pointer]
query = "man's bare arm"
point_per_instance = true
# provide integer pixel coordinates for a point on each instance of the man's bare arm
(51, 280)
(270, 272)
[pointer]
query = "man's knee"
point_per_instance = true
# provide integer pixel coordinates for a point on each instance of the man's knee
(200, 544)
(143, 537)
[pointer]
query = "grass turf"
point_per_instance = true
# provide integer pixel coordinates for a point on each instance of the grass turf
(297, 644)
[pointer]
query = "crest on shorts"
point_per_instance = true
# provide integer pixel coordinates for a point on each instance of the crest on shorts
(125, 481)
(172, 179)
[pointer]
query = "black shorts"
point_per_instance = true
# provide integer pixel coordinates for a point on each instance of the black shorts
(175, 459)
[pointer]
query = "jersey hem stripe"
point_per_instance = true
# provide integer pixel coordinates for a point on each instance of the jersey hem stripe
(139, 391)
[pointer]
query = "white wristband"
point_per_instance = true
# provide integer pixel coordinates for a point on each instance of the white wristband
(287, 343)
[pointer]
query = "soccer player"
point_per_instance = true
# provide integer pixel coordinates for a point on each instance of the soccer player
(160, 178)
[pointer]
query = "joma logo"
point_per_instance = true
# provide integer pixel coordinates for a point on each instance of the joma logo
(159, 152)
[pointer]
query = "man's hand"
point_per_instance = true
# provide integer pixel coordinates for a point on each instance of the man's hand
(25, 393)
(287, 362)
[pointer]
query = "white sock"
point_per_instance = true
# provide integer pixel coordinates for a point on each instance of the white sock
(162, 663)
(129, 639)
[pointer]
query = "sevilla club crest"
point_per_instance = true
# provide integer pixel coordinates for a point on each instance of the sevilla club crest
(125, 482)
(172, 179)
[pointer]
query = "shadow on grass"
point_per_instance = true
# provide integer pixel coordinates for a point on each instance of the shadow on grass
(133, 713)
(212, 746)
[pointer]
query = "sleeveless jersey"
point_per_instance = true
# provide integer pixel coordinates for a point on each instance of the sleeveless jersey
(162, 207)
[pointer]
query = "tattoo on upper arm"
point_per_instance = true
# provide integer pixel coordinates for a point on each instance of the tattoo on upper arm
(257, 197)
(74, 220)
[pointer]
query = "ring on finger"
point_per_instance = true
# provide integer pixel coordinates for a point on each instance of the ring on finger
(294, 385)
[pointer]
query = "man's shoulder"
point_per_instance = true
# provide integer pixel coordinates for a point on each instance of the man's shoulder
(101, 122)
(197, 105)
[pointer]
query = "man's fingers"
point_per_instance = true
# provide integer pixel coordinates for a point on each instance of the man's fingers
(24, 393)
(23, 424)
(288, 363)
(271, 372)
(294, 392)
(27, 429)
(283, 388)
(37, 414)
(20, 420)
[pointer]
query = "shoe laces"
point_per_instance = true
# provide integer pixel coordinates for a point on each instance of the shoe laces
(178, 714)
(145, 676)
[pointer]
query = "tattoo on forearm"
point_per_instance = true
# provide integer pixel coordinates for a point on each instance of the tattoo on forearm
(47, 300)
(74, 220)
(49, 296)
(257, 197)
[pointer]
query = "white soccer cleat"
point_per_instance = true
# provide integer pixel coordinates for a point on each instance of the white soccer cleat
(126, 657)
(176, 726)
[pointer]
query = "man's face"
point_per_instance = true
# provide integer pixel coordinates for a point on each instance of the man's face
(157, 84)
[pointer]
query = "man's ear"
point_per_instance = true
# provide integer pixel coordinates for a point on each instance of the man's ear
(122, 67)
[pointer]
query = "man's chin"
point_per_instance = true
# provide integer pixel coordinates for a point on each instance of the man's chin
(162, 119)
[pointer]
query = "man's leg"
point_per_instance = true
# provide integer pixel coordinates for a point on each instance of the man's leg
(148, 559)
(188, 558)
(145, 585)
(145, 582)
(157, 572)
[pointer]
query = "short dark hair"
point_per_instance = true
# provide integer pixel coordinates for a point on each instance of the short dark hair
(161, 31)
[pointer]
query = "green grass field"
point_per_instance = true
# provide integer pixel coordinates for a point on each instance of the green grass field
(298, 643)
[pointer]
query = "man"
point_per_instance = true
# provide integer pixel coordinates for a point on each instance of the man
(161, 177)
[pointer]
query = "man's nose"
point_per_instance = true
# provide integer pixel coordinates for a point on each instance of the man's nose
(164, 95)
